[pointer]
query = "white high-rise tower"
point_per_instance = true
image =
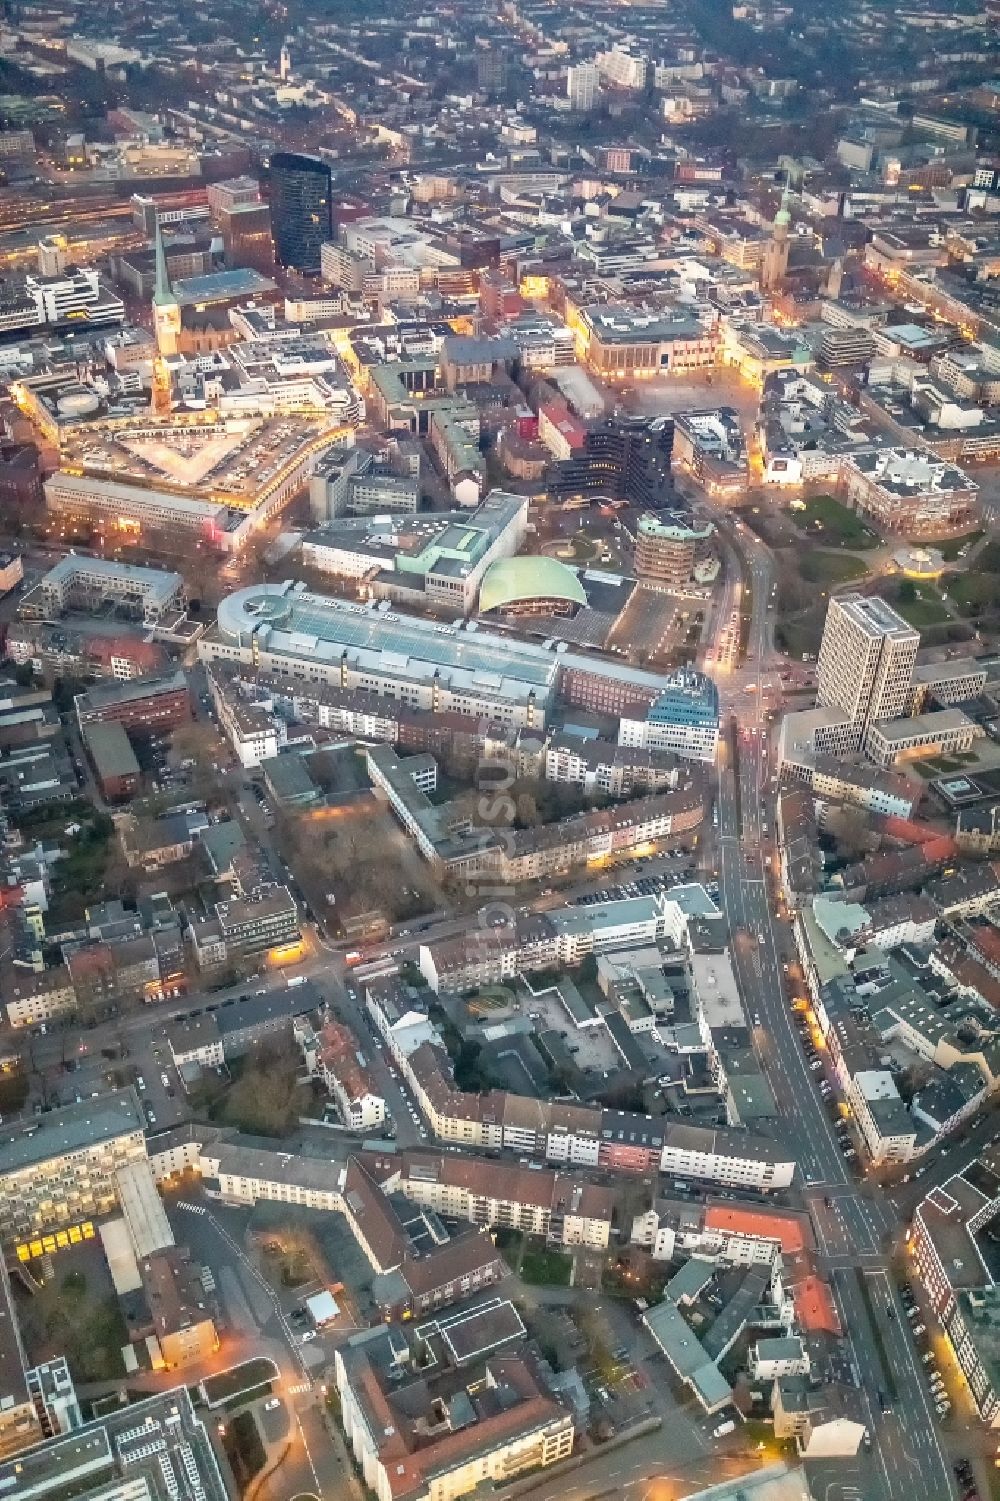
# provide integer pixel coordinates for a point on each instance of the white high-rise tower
(866, 660)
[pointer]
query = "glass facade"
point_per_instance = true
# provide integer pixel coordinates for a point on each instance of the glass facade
(301, 209)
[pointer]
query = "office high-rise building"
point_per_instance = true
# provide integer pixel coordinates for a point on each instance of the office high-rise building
(866, 660)
(246, 235)
(301, 209)
(581, 86)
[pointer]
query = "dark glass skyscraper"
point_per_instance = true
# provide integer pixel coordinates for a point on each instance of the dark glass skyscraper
(301, 208)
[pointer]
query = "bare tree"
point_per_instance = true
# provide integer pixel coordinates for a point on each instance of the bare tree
(851, 831)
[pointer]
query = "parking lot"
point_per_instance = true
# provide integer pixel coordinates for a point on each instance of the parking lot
(659, 628)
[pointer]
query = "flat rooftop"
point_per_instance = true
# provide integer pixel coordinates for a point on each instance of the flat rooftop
(71, 1129)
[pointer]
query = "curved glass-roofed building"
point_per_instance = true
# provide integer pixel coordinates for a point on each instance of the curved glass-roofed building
(684, 718)
(530, 586)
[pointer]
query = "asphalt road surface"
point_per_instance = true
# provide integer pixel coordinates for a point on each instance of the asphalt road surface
(855, 1228)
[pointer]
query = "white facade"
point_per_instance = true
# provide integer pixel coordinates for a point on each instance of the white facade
(866, 659)
(581, 86)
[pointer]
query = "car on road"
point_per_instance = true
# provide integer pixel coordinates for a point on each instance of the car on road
(272, 1404)
(309, 1334)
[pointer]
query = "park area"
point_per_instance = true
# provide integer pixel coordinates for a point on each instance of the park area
(825, 519)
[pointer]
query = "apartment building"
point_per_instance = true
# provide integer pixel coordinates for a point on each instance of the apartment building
(565, 1210)
(887, 1126)
(333, 1055)
(252, 925)
(573, 1134)
(439, 1411)
(32, 998)
(59, 1170)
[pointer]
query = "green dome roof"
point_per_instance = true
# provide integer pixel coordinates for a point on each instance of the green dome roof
(511, 581)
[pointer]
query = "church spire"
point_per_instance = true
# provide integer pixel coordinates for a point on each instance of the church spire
(163, 295)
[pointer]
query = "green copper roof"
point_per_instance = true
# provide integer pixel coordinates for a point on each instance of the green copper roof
(510, 581)
(162, 292)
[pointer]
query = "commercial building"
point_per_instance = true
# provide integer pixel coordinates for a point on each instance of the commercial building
(252, 925)
(286, 631)
(684, 719)
(710, 446)
(941, 733)
(619, 343)
(349, 483)
(301, 209)
(59, 1170)
(945, 683)
(625, 457)
(667, 545)
(20, 1426)
(74, 298)
(910, 491)
(154, 703)
(149, 1448)
(437, 561)
(94, 500)
(246, 236)
(865, 663)
(91, 584)
(113, 759)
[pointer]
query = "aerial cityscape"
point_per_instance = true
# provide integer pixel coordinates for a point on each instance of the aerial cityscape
(500, 751)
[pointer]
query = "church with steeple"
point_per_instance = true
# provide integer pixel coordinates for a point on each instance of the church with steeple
(166, 308)
(774, 261)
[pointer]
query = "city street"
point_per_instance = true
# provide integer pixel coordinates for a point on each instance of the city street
(855, 1226)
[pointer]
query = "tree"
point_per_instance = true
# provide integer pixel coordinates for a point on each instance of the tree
(907, 592)
(850, 831)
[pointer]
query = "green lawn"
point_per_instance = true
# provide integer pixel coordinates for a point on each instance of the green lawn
(801, 635)
(924, 608)
(546, 1268)
(974, 591)
(828, 518)
(830, 568)
(952, 546)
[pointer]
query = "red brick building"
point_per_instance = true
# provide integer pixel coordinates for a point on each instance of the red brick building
(157, 702)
